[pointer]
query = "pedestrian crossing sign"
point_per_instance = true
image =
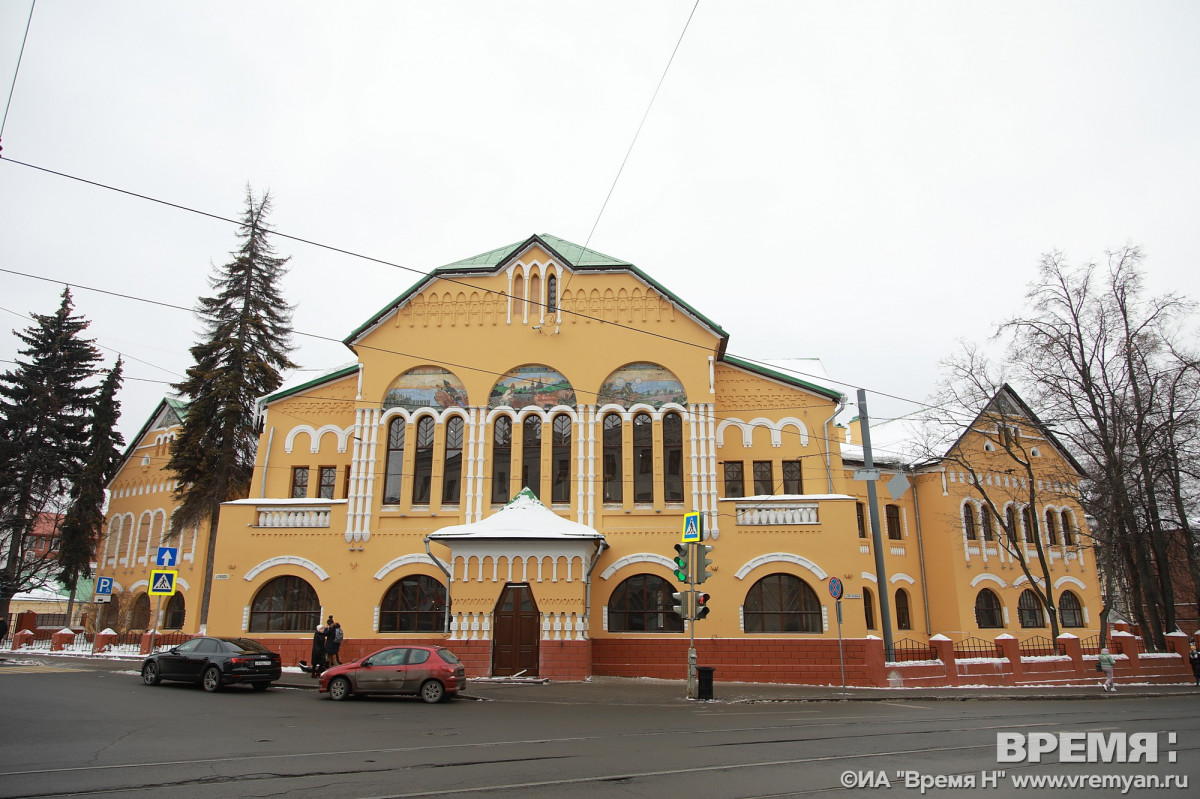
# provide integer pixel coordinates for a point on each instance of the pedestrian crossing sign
(691, 527)
(162, 582)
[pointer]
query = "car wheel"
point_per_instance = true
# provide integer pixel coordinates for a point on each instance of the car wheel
(150, 674)
(339, 689)
(433, 692)
(212, 679)
(261, 686)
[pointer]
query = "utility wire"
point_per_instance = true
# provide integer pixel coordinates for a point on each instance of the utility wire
(17, 70)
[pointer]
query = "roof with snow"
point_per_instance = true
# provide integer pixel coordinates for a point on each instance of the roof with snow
(525, 517)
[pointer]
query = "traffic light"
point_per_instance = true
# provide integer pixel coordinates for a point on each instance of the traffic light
(703, 562)
(701, 606)
(681, 603)
(681, 562)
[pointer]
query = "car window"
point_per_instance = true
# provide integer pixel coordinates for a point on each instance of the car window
(417, 656)
(189, 645)
(391, 657)
(448, 656)
(243, 645)
(208, 646)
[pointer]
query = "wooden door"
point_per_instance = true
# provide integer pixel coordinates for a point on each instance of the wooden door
(515, 632)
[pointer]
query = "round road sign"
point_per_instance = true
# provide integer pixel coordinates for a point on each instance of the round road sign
(835, 588)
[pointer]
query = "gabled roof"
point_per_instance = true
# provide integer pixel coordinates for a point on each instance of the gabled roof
(784, 372)
(574, 256)
(169, 412)
(335, 374)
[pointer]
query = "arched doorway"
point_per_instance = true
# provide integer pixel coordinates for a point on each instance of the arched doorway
(515, 632)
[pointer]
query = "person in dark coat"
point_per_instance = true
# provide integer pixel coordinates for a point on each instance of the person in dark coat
(333, 642)
(318, 652)
(1194, 659)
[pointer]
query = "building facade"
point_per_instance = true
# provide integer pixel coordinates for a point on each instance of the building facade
(506, 467)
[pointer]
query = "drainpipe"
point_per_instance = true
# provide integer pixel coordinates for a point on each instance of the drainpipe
(828, 445)
(921, 553)
(262, 492)
(449, 581)
(587, 585)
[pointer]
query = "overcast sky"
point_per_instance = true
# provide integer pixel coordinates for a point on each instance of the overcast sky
(865, 183)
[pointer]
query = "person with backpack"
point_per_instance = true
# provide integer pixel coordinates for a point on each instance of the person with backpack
(333, 642)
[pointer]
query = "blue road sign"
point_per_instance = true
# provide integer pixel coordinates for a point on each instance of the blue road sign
(167, 556)
(835, 588)
(691, 527)
(104, 585)
(162, 583)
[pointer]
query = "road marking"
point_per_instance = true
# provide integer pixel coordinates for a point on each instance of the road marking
(34, 669)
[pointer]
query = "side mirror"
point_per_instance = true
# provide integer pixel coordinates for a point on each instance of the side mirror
(366, 663)
(173, 650)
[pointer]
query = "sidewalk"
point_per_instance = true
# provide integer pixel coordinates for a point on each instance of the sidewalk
(643, 691)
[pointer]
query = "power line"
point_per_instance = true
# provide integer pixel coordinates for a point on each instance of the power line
(17, 70)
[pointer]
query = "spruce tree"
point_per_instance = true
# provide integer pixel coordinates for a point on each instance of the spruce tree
(85, 517)
(44, 411)
(246, 343)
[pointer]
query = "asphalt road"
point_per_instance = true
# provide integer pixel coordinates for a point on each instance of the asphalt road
(85, 730)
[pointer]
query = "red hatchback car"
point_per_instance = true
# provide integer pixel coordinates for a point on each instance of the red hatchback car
(433, 673)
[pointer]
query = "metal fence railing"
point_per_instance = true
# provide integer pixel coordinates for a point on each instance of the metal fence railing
(1040, 646)
(907, 649)
(976, 648)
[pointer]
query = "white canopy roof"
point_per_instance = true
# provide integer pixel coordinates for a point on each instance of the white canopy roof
(525, 518)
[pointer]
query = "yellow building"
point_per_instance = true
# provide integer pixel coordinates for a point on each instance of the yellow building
(506, 468)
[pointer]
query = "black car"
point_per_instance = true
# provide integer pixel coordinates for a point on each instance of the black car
(214, 663)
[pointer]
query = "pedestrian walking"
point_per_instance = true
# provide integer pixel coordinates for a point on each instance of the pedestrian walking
(1194, 659)
(318, 652)
(1106, 662)
(333, 642)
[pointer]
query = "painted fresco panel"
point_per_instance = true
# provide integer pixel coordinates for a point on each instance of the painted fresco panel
(533, 384)
(426, 387)
(643, 382)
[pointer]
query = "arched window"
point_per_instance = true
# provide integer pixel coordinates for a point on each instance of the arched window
(892, 514)
(501, 459)
(1010, 522)
(672, 457)
(869, 608)
(612, 458)
(1027, 532)
(1070, 611)
(285, 605)
(988, 614)
(903, 614)
(531, 455)
(969, 521)
(861, 512)
(560, 456)
(139, 619)
(552, 294)
(642, 604)
(989, 533)
(1068, 529)
(452, 467)
(643, 458)
(423, 464)
(395, 461)
(415, 604)
(1029, 610)
(782, 603)
(1052, 527)
(175, 613)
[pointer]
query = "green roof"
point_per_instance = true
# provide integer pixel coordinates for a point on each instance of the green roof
(577, 257)
(328, 377)
(765, 371)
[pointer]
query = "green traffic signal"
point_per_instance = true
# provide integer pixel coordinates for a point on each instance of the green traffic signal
(681, 562)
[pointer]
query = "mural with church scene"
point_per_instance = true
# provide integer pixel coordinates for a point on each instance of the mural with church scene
(533, 384)
(642, 383)
(426, 387)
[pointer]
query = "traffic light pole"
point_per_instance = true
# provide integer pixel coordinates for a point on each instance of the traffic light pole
(885, 613)
(692, 566)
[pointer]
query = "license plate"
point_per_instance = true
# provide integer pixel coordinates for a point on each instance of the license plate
(262, 663)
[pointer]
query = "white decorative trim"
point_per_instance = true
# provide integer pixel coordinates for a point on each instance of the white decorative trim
(775, 428)
(287, 560)
(781, 557)
(315, 435)
(139, 584)
(988, 577)
(407, 560)
(869, 576)
(637, 557)
(1023, 579)
(1075, 581)
(901, 577)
